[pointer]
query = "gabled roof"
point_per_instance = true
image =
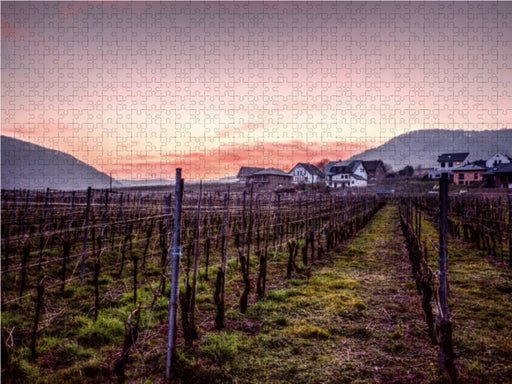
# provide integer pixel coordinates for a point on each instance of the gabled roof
(337, 167)
(502, 168)
(331, 164)
(271, 171)
(310, 168)
(372, 165)
(248, 171)
(502, 154)
(452, 157)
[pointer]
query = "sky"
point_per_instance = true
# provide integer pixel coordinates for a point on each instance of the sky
(136, 89)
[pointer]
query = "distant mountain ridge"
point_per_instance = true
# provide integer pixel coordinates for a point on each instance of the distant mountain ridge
(30, 166)
(421, 148)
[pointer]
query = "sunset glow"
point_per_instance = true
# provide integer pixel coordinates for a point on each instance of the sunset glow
(138, 88)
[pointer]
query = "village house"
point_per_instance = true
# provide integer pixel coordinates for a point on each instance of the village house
(499, 176)
(470, 173)
(497, 159)
(245, 172)
(304, 173)
(339, 174)
(422, 172)
(375, 170)
(270, 178)
(447, 162)
(503, 176)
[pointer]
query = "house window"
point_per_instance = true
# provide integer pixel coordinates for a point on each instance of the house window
(450, 164)
(461, 176)
(442, 165)
(476, 176)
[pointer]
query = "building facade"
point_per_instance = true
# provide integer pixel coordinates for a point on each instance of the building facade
(448, 162)
(375, 170)
(305, 173)
(339, 174)
(270, 178)
(497, 159)
(469, 174)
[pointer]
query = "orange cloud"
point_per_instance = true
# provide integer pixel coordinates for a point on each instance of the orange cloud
(226, 160)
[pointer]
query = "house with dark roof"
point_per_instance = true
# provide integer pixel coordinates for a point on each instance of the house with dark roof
(449, 161)
(245, 172)
(341, 174)
(270, 178)
(375, 170)
(304, 173)
(499, 176)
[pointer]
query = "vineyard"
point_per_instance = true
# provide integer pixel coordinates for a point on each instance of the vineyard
(87, 278)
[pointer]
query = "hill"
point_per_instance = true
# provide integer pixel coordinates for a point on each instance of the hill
(30, 166)
(421, 148)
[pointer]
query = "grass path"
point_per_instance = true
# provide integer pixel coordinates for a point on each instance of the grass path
(357, 320)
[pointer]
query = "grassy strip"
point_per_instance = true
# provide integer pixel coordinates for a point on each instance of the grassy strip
(481, 307)
(357, 320)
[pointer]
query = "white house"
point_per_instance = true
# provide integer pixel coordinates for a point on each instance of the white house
(339, 174)
(448, 162)
(497, 159)
(305, 173)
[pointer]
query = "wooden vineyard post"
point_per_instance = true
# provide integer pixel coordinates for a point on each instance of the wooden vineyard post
(220, 285)
(120, 219)
(105, 224)
(241, 252)
(39, 305)
(196, 264)
(278, 223)
(509, 231)
(65, 257)
(25, 212)
(43, 228)
(86, 228)
(446, 353)
(245, 260)
(262, 275)
(24, 260)
(96, 279)
(175, 278)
